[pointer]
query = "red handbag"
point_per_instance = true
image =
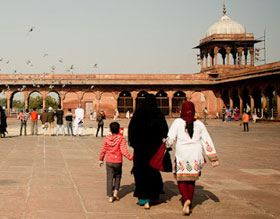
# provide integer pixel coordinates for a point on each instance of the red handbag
(161, 159)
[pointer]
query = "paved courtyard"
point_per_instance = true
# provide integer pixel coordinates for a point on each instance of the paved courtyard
(59, 177)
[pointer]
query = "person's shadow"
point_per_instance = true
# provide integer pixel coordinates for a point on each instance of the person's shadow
(200, 194)
(170, 190)
(125, 190)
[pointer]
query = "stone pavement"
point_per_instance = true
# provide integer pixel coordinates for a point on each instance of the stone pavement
(59, 177)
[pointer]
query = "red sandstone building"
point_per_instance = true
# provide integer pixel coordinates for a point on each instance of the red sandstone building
(228, 77)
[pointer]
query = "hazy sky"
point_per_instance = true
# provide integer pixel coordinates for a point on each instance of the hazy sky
(122, 36)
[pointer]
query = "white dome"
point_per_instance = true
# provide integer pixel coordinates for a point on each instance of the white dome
(225, 26)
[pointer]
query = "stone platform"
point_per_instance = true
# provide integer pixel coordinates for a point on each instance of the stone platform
(59, 177)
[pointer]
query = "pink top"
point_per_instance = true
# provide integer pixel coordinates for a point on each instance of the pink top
(114, 147)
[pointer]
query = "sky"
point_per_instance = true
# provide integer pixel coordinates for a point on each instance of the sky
(121, 36)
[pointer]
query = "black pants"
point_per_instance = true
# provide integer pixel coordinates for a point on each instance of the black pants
(246, 126)
(100, 126)
(114, 174)
(22, 125)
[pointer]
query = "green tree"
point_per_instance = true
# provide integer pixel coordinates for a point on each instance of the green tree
(35, 102)
(51, 102)
(18, 104)
(3, 102)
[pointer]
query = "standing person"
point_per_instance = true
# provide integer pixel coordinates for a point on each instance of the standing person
(69, 120)
(34, 122)
(116, 116)
(127, 114)
(228, 114)
(248, 109)
(224, 111)
(79, 120)
(205, 112)
(100, 122)
(192, 139)
(236, 116)
(91, 116)
(265, 112)
(23, 121)
(43, 118)
(50, 120)
(146, 130)
(94, 115)
(245, 119)
(114, 147)
(3, 122)
(59, 121)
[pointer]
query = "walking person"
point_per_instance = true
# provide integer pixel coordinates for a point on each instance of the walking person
(69, 120)
(205, 112)
(245, 119)
(59, 121)
(43, 118)
(114, 147)
(192, 139)
(146, 130)
(23, 122)
(3, 122)
(50, 121)
(79, 120)
(34, 122)
(100, 122)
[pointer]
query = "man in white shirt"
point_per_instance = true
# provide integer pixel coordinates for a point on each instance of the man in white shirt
(79, 120)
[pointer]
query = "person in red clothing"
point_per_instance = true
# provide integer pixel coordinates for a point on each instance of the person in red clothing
(34, 122)
(114, 147)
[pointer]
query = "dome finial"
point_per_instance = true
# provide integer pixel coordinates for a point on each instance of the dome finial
(224, 8)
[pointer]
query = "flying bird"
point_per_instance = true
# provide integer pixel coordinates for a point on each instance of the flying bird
(31, 29)
(60, 60)
(8, 62)
(72, 67)
(45, 54)
(95, 65)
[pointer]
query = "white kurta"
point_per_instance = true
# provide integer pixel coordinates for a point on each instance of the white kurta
(189, 151)
(79, 116)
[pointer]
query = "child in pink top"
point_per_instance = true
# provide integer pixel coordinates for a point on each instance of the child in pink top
(114, 147)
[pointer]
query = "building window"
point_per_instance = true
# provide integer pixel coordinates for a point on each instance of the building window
(178, 98)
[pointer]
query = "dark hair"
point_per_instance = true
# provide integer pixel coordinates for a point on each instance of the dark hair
(189, 128)
(34, 108)
(115, 127)
(59, 106)
(69, 110)
(27, 110)
(45, 110)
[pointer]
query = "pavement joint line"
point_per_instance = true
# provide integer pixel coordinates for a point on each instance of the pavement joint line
(72, 180)
(28, 187)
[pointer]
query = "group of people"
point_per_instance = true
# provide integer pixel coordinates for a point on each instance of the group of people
(228, 114)
(147, 131)
(48, 118)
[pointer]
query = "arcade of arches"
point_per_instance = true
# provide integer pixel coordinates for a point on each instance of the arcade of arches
(260, 97)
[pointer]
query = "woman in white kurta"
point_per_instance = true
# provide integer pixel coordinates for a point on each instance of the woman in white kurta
(192, 141)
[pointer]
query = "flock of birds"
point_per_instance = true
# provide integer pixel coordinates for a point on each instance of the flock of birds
(52, 70)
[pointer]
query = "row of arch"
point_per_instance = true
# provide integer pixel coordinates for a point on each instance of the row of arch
(168, 104)
(225, 55)
(260, 101)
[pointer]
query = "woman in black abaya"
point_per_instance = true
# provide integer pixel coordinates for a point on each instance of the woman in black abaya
(3, 122)
(146, 130)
